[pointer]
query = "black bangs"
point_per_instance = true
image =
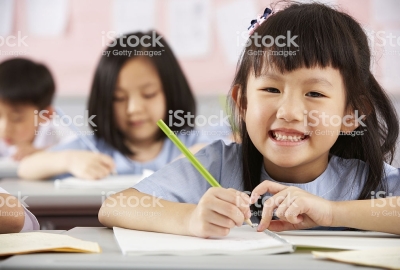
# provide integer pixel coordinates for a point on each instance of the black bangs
(304, 35)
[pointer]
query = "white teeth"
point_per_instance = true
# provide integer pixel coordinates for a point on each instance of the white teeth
(280, 137)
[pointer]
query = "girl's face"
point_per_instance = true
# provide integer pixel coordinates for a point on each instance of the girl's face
(293, 119)
(139, 101)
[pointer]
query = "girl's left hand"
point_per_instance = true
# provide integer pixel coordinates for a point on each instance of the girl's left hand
(295, 208)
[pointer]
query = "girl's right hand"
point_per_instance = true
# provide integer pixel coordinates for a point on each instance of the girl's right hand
(89, 165)
(218, 211)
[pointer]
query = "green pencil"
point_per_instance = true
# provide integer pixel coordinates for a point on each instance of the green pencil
(196, 163)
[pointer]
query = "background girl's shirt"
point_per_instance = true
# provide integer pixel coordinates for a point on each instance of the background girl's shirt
(125, 165)
(46, 136)
(181, 182)
(30, 222)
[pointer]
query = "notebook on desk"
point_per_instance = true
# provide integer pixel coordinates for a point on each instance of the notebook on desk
(8, 168)
(242, 240)
(341, 240)
(112, 181)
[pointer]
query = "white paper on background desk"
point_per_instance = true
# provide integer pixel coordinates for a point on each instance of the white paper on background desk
(189, 24)
(47, 17)
(382, 257)
(8, 168)
(112, 181)
(133, 15)
(242, 240)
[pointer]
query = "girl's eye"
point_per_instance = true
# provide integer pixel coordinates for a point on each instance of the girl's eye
(271, 90)
(149, 95)
(314, 95)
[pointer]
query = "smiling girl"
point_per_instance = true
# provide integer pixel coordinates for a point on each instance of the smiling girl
(310, 172)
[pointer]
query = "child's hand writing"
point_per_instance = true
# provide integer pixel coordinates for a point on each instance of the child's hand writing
(295, 208)
(89, 165)
(218, 211)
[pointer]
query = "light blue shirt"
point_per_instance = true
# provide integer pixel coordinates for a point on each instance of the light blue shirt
(125, 165)
(181, 182)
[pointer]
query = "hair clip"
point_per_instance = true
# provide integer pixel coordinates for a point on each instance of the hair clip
(260, 19)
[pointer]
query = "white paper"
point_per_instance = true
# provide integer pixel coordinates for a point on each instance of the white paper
(232, 20)
(338, 233)
(342, 242)
(382, 257)
(6, 17)
(133, 15)
(189, 27)
(390, 50)
(240, 241)
(110, 182)
(326, 2)
(8, 168)
(385, 11)
(47, 17)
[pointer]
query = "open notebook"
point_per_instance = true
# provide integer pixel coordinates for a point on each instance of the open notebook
(242, 240)
(30, 242)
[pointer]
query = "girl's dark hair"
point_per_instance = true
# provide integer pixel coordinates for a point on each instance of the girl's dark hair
(325, 37)
(23, 81)
(175, 86)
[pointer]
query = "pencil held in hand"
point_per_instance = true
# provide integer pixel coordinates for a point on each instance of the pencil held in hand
(196, 163)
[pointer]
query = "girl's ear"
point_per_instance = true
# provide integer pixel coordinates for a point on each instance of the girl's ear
(355, 118)
(352, 120)
(240, 101)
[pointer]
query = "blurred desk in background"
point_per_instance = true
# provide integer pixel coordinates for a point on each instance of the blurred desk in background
(58, 209)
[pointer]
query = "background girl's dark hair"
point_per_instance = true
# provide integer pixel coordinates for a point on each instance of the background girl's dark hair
(23, 81)
(326, 37)
(175, 86)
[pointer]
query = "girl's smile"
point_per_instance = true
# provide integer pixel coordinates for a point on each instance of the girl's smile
(288, 137)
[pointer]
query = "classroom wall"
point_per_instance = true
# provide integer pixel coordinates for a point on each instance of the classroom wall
(73, 54)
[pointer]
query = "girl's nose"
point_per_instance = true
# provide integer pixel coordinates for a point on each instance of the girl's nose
(290, 110)
(134, 105)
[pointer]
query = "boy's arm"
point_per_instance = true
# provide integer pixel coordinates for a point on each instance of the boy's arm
(374, 215)
(132, 209)
(12, 217)
(43, 165)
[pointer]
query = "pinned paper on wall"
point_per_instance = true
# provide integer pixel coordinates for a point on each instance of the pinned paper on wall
(47, 17)
(325, 2)
(133, 15)
(232, 22)
(6, 16)
(189, 25)
(387, 11)
(389, 43)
